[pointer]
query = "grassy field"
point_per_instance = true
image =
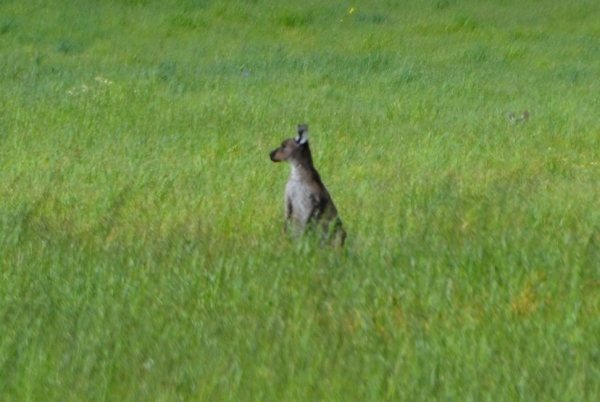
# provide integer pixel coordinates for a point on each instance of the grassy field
(141, 247)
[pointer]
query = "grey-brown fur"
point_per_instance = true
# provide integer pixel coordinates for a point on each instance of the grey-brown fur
(307, 201)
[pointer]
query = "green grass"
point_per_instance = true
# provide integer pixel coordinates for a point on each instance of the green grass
(141, 247)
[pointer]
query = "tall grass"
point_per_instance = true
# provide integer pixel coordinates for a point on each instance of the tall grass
(141, 247)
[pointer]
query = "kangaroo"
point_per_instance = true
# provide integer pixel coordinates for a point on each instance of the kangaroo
(307, 201)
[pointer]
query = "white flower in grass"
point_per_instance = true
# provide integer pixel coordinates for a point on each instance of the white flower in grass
(149, 364)
(103, 80)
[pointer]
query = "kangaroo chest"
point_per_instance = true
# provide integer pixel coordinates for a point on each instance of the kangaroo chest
(302, 196)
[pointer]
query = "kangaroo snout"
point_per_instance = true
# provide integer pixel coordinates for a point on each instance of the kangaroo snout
(273, 155)
(286, 152)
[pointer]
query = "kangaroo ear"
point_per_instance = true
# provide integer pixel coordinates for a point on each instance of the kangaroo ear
(302, 137)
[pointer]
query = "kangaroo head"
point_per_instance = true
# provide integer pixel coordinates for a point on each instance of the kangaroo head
(294, 150)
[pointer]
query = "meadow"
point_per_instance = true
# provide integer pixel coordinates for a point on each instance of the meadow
(141, 246)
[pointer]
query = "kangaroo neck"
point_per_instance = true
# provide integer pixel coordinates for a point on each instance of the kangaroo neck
(304, 170)
(303, 165)
(302, 160)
